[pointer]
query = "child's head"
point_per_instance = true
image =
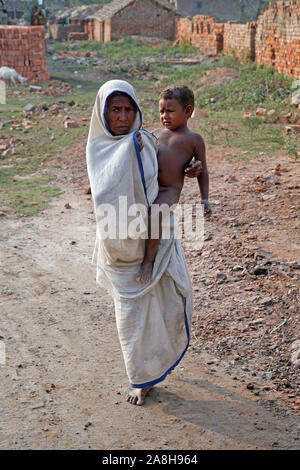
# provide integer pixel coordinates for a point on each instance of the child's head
(176, 105)
(120, 113)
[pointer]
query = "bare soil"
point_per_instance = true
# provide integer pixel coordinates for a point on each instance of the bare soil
(64, 384)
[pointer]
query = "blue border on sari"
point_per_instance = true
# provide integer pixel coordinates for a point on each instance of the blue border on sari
(138, 154)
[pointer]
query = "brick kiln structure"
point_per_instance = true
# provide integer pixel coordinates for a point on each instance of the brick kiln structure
(278, 37)
(23, 48)
(274, 40)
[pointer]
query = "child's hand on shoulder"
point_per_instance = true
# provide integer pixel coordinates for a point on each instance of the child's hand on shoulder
(194, 169)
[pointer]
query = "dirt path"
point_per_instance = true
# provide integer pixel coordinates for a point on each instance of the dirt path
(64, 383)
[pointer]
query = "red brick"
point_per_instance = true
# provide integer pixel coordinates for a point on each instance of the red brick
(19, 46)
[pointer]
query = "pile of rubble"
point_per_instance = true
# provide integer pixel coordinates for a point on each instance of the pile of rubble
(23, 48)
(52, 88)
(33, 114)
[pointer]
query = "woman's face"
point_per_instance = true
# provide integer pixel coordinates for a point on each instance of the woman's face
(120, 114)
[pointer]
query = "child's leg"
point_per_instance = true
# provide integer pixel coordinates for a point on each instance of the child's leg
(166, 198)
(145, 273)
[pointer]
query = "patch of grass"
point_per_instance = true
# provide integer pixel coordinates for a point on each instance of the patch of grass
(129, 47)
(20, 188)
(292, 144)
(9, 112)
(230, 130)
(25, 196)
(256, 86)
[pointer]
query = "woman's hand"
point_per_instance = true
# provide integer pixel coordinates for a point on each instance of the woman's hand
(194, 169)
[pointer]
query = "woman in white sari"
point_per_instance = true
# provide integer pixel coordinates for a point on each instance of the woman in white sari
(153, 320)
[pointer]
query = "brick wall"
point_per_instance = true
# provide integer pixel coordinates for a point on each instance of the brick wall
(274, 40)
(60, 32)
(144, 18)
(278, 37)
(23, 48)
(239, 39)
(201, 31)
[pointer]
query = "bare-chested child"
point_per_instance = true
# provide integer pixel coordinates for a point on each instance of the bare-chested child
(177, 146)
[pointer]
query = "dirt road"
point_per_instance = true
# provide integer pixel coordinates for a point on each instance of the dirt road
(63, 385)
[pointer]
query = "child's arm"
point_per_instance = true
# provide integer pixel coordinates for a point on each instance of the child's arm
(203, 178)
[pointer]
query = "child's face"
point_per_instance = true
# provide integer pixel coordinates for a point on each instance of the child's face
(120, 114)
(172, 114)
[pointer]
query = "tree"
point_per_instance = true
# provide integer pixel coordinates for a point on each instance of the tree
(251, 9)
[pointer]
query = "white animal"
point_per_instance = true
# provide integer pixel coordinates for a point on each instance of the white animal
(11, 76)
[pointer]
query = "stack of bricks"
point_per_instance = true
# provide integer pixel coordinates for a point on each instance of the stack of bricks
(23, 48)
(274, 40)
(239, 39)
(278, 37)
(202, 31)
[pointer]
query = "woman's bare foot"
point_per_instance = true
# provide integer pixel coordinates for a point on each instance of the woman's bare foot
(145, 273)
(137, 396)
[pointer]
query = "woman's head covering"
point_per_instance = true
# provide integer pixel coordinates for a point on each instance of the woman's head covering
(98, 125)
(123, 184)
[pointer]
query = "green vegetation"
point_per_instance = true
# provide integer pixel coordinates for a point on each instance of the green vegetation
(247, 134)
(25, 196)
(21, 187)
(255, 86)
(292, 144)
(128, 47)
(251, 9)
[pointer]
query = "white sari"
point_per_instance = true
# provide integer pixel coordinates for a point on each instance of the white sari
(153, 320)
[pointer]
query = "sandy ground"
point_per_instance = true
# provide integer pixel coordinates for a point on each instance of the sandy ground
(63, 385)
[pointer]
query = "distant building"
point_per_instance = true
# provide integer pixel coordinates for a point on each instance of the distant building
(110, 21)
